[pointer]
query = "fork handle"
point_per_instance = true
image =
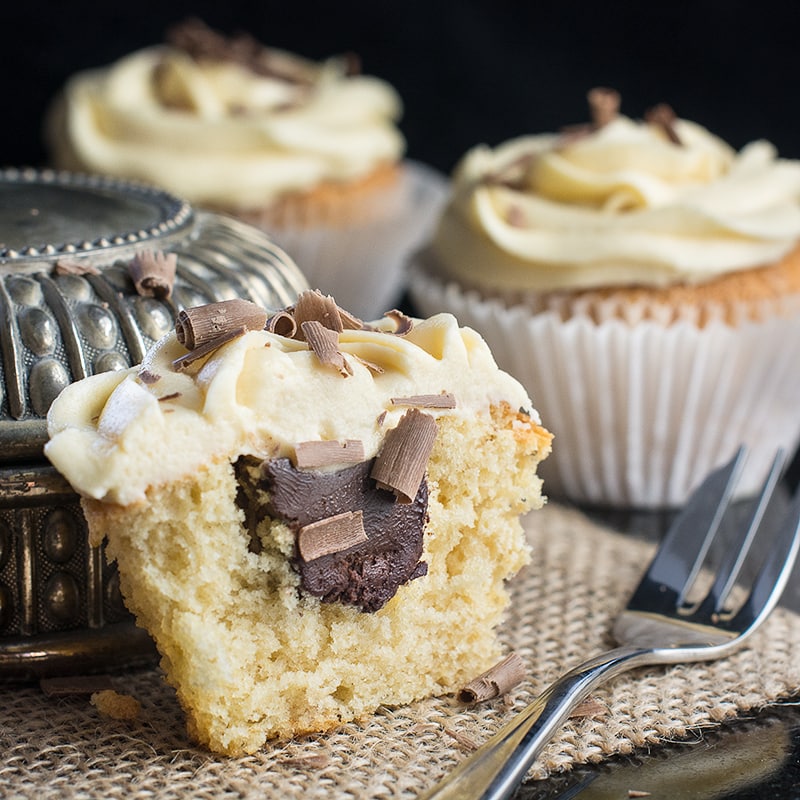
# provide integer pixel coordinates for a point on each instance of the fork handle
(495, 769)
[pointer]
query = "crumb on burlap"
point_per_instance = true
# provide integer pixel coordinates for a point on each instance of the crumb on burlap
(115, 705)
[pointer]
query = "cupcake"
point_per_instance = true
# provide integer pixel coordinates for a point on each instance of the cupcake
(642, 279)
(310, 152)
(311, 519)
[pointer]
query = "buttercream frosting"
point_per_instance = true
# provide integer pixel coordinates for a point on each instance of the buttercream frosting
(217, 132)
(115, 434)
(622, 204)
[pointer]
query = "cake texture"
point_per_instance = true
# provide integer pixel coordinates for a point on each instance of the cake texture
(309, 151)
(646, 268)
(311, 519)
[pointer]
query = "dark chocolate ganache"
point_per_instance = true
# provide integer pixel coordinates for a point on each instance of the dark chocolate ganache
(365, 575)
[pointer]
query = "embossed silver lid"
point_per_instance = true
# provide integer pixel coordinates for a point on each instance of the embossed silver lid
(46, 214)
(58, 326)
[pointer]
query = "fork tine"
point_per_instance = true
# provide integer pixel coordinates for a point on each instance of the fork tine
(737, 551)
(683, 549)
(774, 573)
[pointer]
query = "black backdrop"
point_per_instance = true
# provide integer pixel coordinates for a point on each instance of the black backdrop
(471, 71)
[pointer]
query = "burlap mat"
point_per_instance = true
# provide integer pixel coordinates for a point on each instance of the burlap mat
(563, 604)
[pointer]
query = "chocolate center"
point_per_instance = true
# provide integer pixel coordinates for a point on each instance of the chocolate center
(365, 575)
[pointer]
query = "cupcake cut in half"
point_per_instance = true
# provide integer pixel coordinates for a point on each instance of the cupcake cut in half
(311, 518)
(642, 279)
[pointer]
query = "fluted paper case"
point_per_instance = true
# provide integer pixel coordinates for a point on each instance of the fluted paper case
(61, 611)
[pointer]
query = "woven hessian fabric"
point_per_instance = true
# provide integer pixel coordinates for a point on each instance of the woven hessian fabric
(563, 606)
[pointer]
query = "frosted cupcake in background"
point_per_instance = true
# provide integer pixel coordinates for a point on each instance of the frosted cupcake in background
(642, 279)
(310, 152)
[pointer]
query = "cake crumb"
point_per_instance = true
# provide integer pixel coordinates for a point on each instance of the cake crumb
(111, 703)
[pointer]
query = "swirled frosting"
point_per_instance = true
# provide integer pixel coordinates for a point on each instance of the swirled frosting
(620, 205)
(219, 133)
(115, 434)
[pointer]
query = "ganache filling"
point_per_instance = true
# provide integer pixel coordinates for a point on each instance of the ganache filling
(367, 574)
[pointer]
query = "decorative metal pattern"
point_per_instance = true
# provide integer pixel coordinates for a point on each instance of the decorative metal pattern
(60, 606)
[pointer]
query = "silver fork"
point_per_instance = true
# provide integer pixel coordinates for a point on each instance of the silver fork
(658, 626)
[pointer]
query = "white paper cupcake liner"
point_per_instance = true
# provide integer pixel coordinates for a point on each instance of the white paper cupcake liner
(364, 265)
(641, 413)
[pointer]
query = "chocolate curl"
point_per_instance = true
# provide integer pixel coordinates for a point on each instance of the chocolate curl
(72, 266)
(153, 273)
(203, 43)
(315, 454)
(282, 324)
(590, 707)
(497, 680)
(317, 307)
(443, 400)
(202, 324)
(331, 535)
(662, 116)
(148, 378)
(403, 323)
(603, 105)
(349, 321)
(205, 349)
(401, 464)
(324, 342)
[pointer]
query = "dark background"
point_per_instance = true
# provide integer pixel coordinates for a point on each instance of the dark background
(468, 72)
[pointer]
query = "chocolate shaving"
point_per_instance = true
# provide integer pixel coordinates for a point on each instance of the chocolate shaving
(313, 306)
(662, 116)
(603, 106)
(206, 349)
(443, 400)
(282, 324)
(166, 397)
(147, 377)
(201, 42)
(590, 707)
(400, 466)
(71, 266)
(315, 454)
(196, 326)
(332, 535)
(638, 793)
(464, 739)
(402, 322)
(496, 681)
(349, 321)
(66, 685)
(153, 273)
(317, 307)
(324, 342)
(376, 369)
